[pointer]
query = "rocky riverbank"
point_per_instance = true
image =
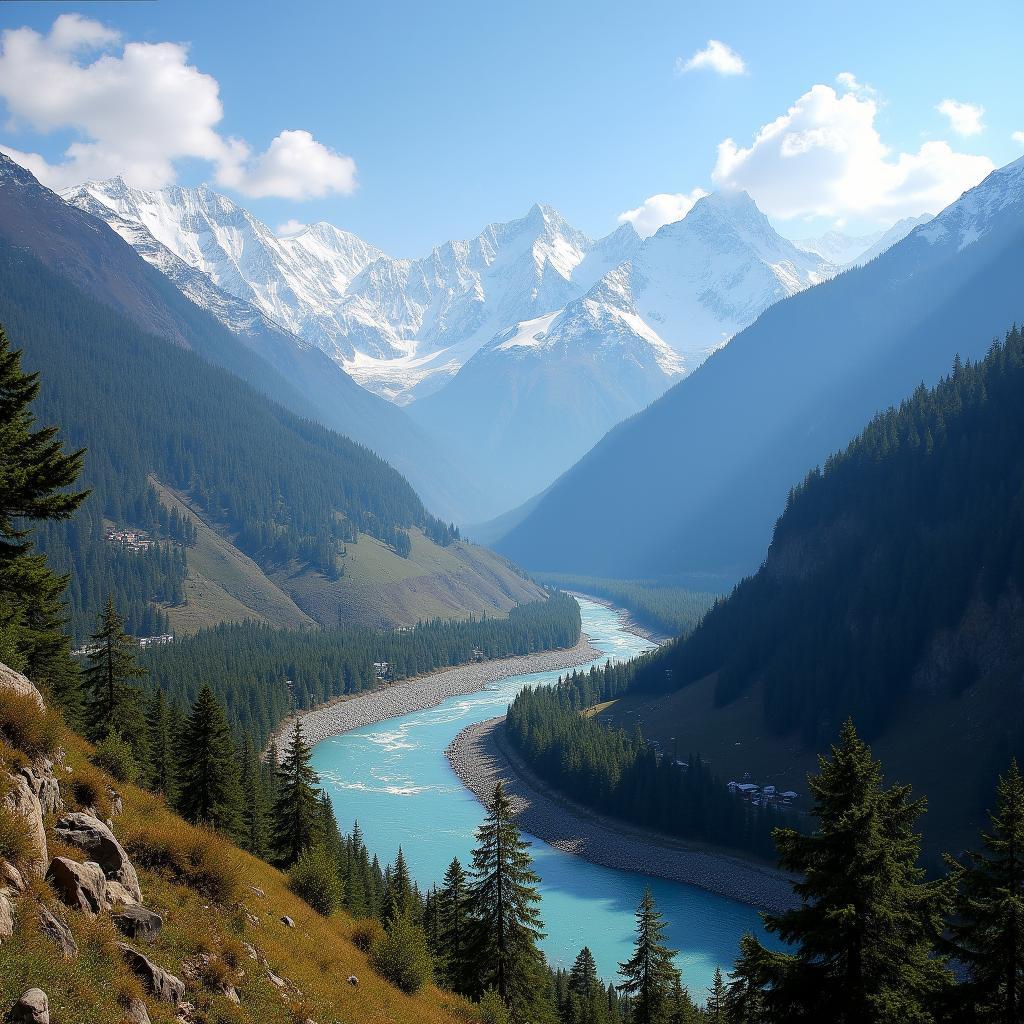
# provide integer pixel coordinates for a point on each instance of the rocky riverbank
(480, 757)
(356, 710)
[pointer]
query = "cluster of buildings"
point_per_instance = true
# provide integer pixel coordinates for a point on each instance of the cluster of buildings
(156, 641)
(766, 796)
(381, 669)
(131, 540)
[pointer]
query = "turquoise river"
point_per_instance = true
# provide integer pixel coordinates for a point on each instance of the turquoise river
(393, 778)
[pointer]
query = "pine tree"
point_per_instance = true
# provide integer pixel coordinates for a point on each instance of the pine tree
(297, 809)
(681, 1007)
(717, 1011)
(585, 995)
(744, 997)
(161, 746)
(358, 884)
(865, 933)
(399, 897)
(455, 926)
(209, 790)
(650, 973)
(988, 932)
(507, 923)
(255, 829)
(35, 477)
(110, 665)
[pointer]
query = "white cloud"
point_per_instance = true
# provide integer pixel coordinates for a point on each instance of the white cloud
(716, 56)
(964, 118)
(1018, 137)
(290, 227)
(664, 208)
(824, 157)
(139, 108)
(848, 82)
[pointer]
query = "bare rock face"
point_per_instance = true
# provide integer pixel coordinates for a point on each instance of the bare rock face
(138, 923)
(21, 800)
(59, 932)
(44, 785)
(157, 982)
(135, 1012)
(32, 1007)
(11, 877)
(91, 835)
(11, 680)
(6, 918)
(79, 886)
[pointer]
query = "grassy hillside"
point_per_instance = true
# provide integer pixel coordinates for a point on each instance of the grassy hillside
(222, 913)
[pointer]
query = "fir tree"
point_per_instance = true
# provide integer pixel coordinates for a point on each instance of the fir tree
(35, 477)
(988, 932)
(358, 883)
(399, 897)
(507, 923)
(864, 934)
(297, 809)
(209, 787)
(650, 973)
(110, 665)
(159, 731)
(744, 997)
(717, 1009)
(255, 829)
(585, 995)
(455, 926)
(681, 1007)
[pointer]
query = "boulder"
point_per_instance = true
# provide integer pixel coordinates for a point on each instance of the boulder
(91, 835)
(287, 921)
(55, 929)
(138, 923)
(135, 1012)
(32, 1007)
(157, 982)
(21, 800)
(79, 886)
(11, 680)
(11, 877)
(6, 917)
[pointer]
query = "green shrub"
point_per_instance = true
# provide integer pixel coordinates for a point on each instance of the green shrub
(115, 757)
(492, 1009)
(402, 956)
(314, 877)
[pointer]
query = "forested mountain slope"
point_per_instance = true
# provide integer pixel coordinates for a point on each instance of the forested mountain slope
(892, 593)
(228, 331)
(319, 518)
(694, 483)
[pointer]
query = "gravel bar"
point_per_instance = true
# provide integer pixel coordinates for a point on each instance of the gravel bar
(370, 706)
(481, 755)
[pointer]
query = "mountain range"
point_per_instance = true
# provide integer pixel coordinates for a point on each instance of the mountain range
(693, 484)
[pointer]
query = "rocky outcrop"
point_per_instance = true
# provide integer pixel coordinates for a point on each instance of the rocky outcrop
(79, 886)
(158, 983)
(92, 836)
(138, 923)
(57, 931)
(44, 785)
(22, 801)
(11, 680)
(135, 1012)
(32, 1007)
(6, 917)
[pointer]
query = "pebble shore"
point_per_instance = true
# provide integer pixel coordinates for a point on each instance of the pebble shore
(371, 706)
(480, 756)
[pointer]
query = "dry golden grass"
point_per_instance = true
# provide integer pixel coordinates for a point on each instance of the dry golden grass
(218, 905)
(27, 728)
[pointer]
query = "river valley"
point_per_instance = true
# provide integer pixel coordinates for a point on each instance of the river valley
(393, 777)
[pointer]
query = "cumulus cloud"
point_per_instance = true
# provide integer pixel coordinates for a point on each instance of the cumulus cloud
(664, 208)
(716, 56)
(848, 82)
(825, 157)
(138, 108)
(964, 118)
(1018, 137)
(290, 227)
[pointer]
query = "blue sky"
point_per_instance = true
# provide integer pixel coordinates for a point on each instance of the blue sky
(452, 115)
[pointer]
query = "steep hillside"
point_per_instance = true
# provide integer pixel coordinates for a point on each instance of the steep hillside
(284, 496)
(218, 935)
(694, 483)
(892, 593)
